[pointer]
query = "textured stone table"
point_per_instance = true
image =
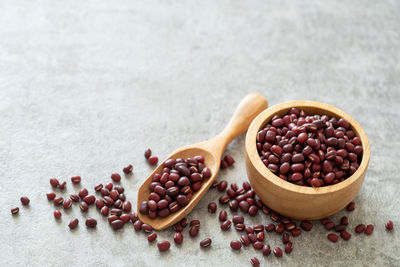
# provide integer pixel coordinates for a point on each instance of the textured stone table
(87, 86)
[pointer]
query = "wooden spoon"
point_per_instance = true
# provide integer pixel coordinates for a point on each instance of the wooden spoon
(212, 151)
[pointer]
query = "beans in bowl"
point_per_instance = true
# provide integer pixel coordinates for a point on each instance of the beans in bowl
(309, 150)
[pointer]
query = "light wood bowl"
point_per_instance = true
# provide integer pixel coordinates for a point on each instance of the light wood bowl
(302, 202)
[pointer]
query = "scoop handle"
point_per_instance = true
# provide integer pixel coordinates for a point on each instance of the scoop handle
(244, 114)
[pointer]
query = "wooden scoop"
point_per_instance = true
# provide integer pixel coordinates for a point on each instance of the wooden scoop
(212, 151)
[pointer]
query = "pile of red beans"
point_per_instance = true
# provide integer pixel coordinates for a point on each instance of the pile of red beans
(175, 186)
(309, 150)
(187, 176)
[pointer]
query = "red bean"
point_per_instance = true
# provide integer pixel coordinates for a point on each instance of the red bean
(104, 211)
(74, 197)
(258, 228)
(193, 231)
(147, 228)
(67, 204)
(288, 247)
(222, 186)
(153, 160)
(344, 220)
(89, 199)
(223, 215)
(258, 245)
(73, 224)
(266, 250)
(224, 164)
(137, 225)
(253, 210)
(14, 210)
(306, 225)
(134, 217)
(295, 232)
(236, 219)
(350, 206)
(152, 237)
(261, 236)
(117, 224)
(270, 227)
(125, 218)
(333, 237)
(254, 261)
(278, 252)
(116, 177)
(127, 206)
(54, 182)
(50, 196)
(128, 169)
(76, 179)
(212, 207)
(58, 201)
(109, 186)
(163, 245)
(229, 160)
(83, 193)
(98, 187)
(62, 185)
(226, 225)
(25, 201)
(329, 225)
(147, 153)
(236, 245)
(244, 239)
(345, 235)
(285, 238)
(178, 238)
(280, 228)
(205, 242)
(359, 228)
(84, 206)
(369, 229)
(340, 227)
(57, 214)
(389, 225)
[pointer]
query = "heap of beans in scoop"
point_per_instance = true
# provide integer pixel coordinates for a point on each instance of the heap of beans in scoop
(174, 187)
(309, 150)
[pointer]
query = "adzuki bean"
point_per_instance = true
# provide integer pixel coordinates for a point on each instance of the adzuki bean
(152, 237)
(369, 229)
(50, 196)
(278, 252)
(266, 250)
(14, 210)
(57, 214)
(333, 237)
(25, 201)
(178, 238)
(128, 169)
(73, 224)
(359, 228)
(255, 262)
(163, 245)
(205, 242)
(389, 225)
(76, 179)
(91, 223)
(236, 245)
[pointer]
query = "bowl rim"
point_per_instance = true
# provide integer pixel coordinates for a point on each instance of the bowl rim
(266, 115)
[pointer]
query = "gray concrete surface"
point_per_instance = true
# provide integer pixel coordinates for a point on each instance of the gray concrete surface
(86, 86)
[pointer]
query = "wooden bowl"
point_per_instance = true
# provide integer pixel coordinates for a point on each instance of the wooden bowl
(302, 202)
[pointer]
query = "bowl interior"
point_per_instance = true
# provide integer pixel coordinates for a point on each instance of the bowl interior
(311, 108)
